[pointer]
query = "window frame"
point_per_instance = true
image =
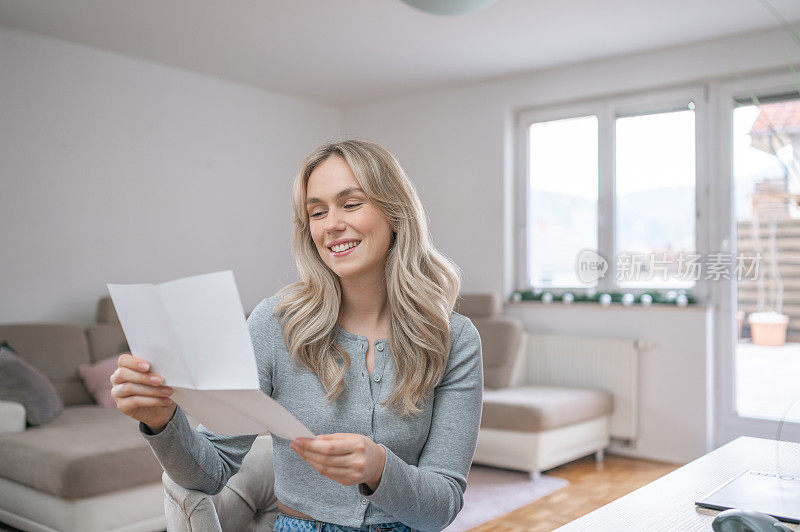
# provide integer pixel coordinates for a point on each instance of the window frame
(607, 110)
(524, 121)
(728, 424)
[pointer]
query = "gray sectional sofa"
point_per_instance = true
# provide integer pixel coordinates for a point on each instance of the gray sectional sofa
(88, 469)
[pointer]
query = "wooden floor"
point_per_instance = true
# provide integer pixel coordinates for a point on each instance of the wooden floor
(591, 486)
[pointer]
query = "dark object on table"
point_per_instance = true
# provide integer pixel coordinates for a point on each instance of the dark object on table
(738, 520)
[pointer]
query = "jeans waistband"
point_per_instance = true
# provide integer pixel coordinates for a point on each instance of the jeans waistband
(381, 527)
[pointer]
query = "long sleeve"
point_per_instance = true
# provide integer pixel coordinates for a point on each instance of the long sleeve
(430, 495)
(197, 458)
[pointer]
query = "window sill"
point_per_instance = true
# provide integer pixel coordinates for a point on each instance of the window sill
(585, 305)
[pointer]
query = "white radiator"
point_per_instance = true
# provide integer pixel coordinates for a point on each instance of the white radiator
(610, 364)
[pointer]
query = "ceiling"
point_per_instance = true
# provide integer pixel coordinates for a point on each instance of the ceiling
(350, 51)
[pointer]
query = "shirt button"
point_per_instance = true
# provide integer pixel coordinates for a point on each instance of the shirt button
(377, 378)
(364, 500)
(362, 346)
(380, 347)
(362, 375)
(369, 407)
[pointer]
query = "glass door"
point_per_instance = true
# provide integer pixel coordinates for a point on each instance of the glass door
(758, 329)
(766, 147)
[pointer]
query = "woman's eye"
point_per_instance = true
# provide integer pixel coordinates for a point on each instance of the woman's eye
(316, 214)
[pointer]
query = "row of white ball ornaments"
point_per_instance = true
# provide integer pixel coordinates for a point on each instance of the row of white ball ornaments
(605, 299)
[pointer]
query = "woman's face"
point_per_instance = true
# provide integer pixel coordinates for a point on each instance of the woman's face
(340, 213)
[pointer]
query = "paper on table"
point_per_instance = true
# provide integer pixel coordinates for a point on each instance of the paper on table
(193, 333)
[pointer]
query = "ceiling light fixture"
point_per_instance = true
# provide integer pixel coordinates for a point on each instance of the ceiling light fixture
(449, 7)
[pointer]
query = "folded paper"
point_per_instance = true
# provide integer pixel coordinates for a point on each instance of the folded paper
(193, 333)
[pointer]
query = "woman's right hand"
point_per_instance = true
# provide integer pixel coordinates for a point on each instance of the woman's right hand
(140, 394)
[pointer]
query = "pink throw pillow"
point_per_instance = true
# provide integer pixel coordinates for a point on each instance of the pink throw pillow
(96, 379)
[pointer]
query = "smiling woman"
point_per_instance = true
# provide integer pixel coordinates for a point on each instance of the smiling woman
(346, 220)
(393, 284)
(366, 352)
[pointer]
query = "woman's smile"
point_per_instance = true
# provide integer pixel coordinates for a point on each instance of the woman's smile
(348, 248)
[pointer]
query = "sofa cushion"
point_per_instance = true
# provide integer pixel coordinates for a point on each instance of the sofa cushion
(537, 408)
(55, 350)
(87, 450)
(501, 338)
(22, 383)
(106, 340)
(478, 305)
(106, 313)
(97, 379)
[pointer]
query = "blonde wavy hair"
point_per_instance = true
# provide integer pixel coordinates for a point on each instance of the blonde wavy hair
(421, 284)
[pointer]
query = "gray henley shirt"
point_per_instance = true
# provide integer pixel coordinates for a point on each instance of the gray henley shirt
(428, 455)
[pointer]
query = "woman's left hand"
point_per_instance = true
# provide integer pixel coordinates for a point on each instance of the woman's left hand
(345, 458)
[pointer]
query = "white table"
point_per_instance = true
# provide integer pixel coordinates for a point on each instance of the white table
(668, 503)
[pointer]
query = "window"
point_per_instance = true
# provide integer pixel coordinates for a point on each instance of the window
(655, 204)
(614, 178)
(563, 197)
(756, 122)
(766, 184)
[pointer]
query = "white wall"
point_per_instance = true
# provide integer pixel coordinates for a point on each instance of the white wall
(120, 170)
(456, 144)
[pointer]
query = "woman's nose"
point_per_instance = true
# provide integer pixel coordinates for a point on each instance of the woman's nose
(333, 221)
